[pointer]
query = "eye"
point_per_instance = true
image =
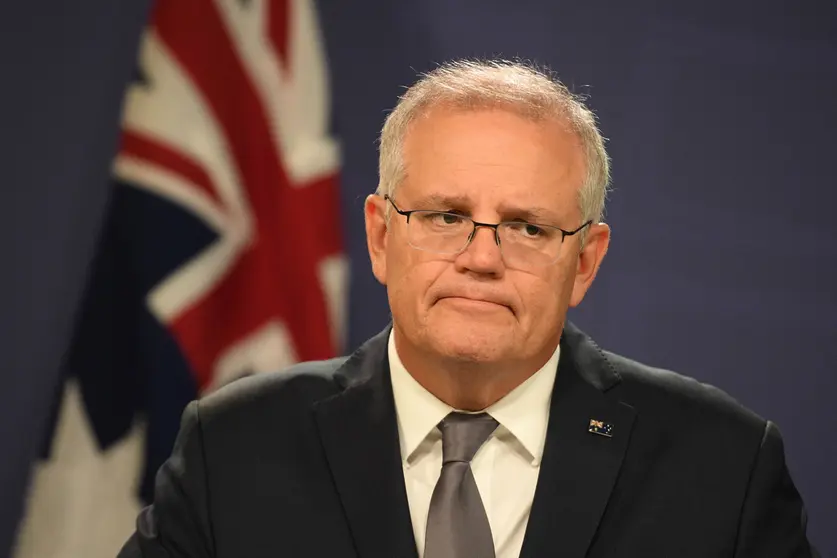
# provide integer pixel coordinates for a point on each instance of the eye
(445, 218)
(527, 232)
(531, 230)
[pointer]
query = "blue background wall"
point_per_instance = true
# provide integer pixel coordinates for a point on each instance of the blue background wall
(721, 119)
(64, 65)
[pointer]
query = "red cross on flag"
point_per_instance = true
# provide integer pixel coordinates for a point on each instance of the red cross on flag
(230, 122)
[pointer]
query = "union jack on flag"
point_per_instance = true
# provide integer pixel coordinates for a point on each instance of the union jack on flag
(222, 254)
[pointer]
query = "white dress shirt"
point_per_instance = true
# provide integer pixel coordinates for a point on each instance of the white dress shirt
(505, 468)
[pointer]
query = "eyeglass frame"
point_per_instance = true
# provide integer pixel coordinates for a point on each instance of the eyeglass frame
(477, 224)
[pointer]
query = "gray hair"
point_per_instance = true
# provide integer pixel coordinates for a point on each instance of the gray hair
(525, 89)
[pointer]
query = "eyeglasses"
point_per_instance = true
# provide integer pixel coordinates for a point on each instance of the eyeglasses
(522, 244)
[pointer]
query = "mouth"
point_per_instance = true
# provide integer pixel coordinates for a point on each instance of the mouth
(475, 304)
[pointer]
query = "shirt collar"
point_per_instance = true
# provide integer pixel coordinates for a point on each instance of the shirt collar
(524, 412)
(418, 410)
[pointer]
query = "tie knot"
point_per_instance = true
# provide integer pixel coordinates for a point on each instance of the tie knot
(463, 434)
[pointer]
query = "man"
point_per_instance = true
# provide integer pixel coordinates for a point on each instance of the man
(481, 423)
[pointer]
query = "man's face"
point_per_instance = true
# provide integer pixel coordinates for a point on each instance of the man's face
(491, 165)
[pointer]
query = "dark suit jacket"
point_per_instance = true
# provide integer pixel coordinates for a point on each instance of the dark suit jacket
(306, 463)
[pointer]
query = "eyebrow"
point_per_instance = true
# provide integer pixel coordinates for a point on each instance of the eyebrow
(530, 214)
(507, 211)
(442, 201)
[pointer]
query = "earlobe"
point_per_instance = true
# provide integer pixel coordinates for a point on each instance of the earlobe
(589, 260)
(376, 235)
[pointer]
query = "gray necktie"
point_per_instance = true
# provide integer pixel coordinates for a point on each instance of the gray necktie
(457, 526)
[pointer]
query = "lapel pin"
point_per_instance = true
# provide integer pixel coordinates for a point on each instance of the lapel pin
(601, 428)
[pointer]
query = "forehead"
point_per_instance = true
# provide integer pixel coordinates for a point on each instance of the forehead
(493, 156)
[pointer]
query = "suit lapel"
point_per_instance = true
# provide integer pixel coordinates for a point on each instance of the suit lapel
(359, 432)
(579, 468)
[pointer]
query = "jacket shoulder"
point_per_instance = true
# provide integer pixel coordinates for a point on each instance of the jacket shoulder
(293, 389)
(677, 395)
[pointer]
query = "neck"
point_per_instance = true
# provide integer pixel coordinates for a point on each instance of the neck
(465, 385)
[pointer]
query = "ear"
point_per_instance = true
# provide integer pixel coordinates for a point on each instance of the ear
(376, 235)
(589, 260)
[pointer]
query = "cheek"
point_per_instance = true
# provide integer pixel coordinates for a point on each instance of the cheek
(410, 275)
(543, 296)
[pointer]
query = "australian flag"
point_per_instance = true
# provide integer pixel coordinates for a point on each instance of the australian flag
(222, 253)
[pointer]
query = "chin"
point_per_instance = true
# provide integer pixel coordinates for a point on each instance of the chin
(480, 341)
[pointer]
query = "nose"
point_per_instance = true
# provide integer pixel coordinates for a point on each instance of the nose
(483, 254)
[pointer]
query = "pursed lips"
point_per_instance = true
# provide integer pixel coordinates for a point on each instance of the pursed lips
(493, 301)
